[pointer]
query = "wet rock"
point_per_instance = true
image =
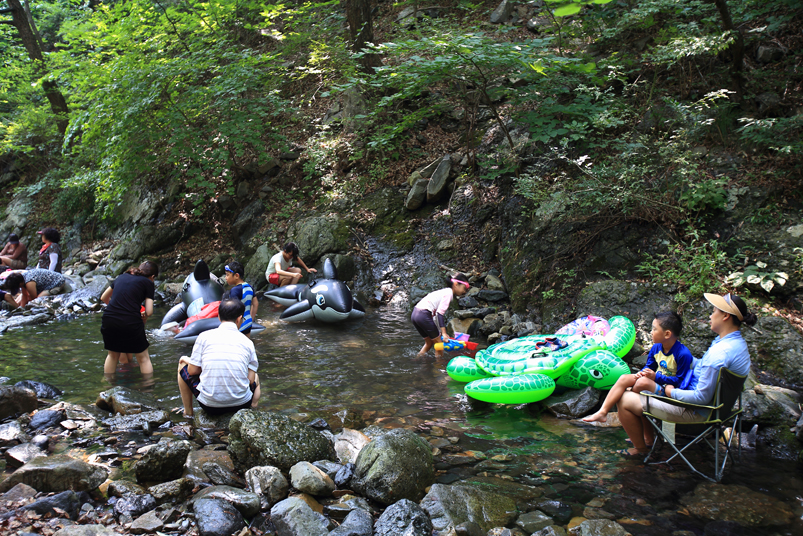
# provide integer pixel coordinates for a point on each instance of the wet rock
(21, 454)
(203, 420)
(15, 400)
(492, 295)
(736, 503)
(469, 528)
(146, 524)
(330, 468)
(85, 530)
(193, 468)
(124, 488)
(561, 512)
(45, 419)
(221, 476)
(267, 438)
(94, 285)
(553, 530)
(396, 465)
(268, 483)
(346, 505)
(348, 445)
(417, 194)
(358, 523)
(134, 505)
(10, 433)
(307, 478)
(437, 185)
(534, 521)
(573, 404)
(67, 501)
(403, 517)
(770, 405)
(20, 321)
(19, 492)
(449, 506)
(468, 302)
(126, 401)
(163, 462)
(294, 517)
(57, 472)
(216, 517)
(139, 421)
(42, 389)
(600, 527)
(246, 502)
(172, 492)
(343, 477)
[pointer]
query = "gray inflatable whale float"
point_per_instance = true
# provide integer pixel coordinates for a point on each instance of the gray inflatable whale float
(199, 289)
(327, 299)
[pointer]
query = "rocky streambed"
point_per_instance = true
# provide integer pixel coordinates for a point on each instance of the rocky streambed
(123, 464)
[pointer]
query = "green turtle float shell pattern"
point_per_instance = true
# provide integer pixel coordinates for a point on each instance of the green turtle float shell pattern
(464, 369)
(599, 369)
(522, 375)
(520, 389)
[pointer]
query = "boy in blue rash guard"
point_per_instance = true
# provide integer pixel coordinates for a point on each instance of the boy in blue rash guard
(235, 277)
(669, 362)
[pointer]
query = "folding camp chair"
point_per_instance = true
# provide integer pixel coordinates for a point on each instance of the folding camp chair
(728, 391)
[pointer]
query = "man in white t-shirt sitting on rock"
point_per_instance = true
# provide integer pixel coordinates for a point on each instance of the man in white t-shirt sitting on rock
(222, 370)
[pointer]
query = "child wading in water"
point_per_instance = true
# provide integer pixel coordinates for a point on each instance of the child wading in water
(431, 310)
(668, 363)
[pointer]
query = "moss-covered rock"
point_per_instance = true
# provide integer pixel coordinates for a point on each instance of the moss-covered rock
(318, 235)
(267, 438)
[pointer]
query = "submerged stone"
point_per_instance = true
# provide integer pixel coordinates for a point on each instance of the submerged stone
(736, 503)
(449, 506)
(126, 401)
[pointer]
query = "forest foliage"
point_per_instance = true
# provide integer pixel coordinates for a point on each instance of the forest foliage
(198, 94)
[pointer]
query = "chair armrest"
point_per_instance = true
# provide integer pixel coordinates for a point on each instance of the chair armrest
(680, 403)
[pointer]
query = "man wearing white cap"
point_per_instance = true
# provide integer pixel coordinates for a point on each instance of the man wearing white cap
(728, 350)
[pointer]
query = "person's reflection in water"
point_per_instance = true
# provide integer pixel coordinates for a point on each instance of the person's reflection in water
(143, 383)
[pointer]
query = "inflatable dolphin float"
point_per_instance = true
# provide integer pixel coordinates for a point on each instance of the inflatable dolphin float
(199, 289)
(327, 299)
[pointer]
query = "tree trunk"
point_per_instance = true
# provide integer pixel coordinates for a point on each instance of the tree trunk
(736, 48)
(361, 28)
(57, 103)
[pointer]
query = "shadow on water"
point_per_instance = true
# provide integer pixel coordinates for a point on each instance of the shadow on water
(370, 368)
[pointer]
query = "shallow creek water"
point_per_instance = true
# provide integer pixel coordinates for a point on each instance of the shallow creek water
(369, 368)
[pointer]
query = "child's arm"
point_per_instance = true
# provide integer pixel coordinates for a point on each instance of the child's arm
(254, 307)
(304, 266)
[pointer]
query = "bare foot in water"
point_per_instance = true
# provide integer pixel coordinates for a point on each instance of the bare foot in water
(600, 416)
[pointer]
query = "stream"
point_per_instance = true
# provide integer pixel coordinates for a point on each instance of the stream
(368, 370)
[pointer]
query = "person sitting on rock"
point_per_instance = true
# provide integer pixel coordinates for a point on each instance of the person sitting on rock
(50, 254)
(14, 254)
(222, 370)
(281, 271)
(668, 363)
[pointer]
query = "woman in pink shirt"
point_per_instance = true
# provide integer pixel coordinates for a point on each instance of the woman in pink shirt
(433, 308)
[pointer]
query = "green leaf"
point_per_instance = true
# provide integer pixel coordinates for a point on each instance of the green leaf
(767, 285)
(568, 9)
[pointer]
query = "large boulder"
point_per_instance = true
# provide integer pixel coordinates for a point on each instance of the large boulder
(318, 235)
(89, 293)
(396, 465)
(267, 438)
(417, 195)
(438, 184)
(57, 472)
(449, 506)
(248, 222)
(147, 239)
(126, 401)
(775, 345)
(163, 462)
(256, 266)
(42, 389)
(770, 405)
(15, 400)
